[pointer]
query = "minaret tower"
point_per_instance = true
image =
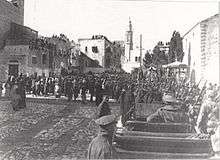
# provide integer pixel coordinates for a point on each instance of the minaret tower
(129, 41)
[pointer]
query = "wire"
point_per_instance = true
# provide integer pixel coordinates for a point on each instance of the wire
(173, 1)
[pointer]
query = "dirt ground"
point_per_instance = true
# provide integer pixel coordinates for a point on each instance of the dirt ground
(47, 130)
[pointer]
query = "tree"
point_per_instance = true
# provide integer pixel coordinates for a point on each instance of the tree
(176, 48)
(147, 59)
(159, 57)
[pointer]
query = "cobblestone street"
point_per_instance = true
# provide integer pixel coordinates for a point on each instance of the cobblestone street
(47, 130)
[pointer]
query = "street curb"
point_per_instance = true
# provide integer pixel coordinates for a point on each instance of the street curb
(54, 101)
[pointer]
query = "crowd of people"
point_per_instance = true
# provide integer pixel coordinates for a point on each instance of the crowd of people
(182, 102)
(72, 86)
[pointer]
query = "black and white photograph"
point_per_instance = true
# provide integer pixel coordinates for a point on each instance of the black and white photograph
(109, 79)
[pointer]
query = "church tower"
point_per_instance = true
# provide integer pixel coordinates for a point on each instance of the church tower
(129, 41)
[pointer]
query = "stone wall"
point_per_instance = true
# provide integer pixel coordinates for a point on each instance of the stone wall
(9, 13)
(23, 55)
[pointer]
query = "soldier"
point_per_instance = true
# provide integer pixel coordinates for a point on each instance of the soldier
(101, 146)
(172, 112)
(127, 101)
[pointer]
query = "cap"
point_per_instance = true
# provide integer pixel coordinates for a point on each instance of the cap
(105, 120)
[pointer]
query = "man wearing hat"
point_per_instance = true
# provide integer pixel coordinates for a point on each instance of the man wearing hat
(101, 146)
(171, 112)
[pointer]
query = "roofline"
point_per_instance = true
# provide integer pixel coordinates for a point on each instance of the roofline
(191, 29)
(105, 38)
(209, 18)
(200, 23)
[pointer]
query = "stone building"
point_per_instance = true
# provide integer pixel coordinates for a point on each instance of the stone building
(10, 11)
(201, 48)
(101, 50)
(25, 53)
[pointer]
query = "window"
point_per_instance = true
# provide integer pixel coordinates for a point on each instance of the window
(34, 60)
(95, 49)
(44, 58)
(136, 59)
(86, 49)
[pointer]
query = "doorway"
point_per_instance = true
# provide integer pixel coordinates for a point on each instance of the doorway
(13, 68)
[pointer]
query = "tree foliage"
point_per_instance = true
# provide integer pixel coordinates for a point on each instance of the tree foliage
(147, 59)
(158, 57)
(176, 48)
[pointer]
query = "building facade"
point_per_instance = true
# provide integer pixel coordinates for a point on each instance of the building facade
(201, 48)
(103, 51)
(10, 11)
(25, 53)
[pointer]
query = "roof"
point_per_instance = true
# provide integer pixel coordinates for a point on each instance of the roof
(203, 21)
(95, 37)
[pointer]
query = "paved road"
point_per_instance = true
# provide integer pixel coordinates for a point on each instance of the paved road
(47, 130)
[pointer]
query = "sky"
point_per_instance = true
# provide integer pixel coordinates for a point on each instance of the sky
(156, 21)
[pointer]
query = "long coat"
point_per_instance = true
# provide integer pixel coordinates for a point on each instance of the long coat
(15, 98)
(98, 93)
(22, 93)
(127, 100)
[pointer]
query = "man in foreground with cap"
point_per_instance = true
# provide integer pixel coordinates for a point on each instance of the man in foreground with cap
(101, 146)
(171, 112)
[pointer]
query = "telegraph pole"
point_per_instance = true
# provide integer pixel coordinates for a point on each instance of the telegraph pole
(140, 51)
(219, 37)
(219, 41)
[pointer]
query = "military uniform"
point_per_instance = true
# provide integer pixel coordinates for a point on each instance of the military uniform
(170, 113)
(127, 101)
(101, 146)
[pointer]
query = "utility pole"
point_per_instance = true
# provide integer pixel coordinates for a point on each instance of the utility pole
(219, 41)
(219, 37)
(141, 51)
